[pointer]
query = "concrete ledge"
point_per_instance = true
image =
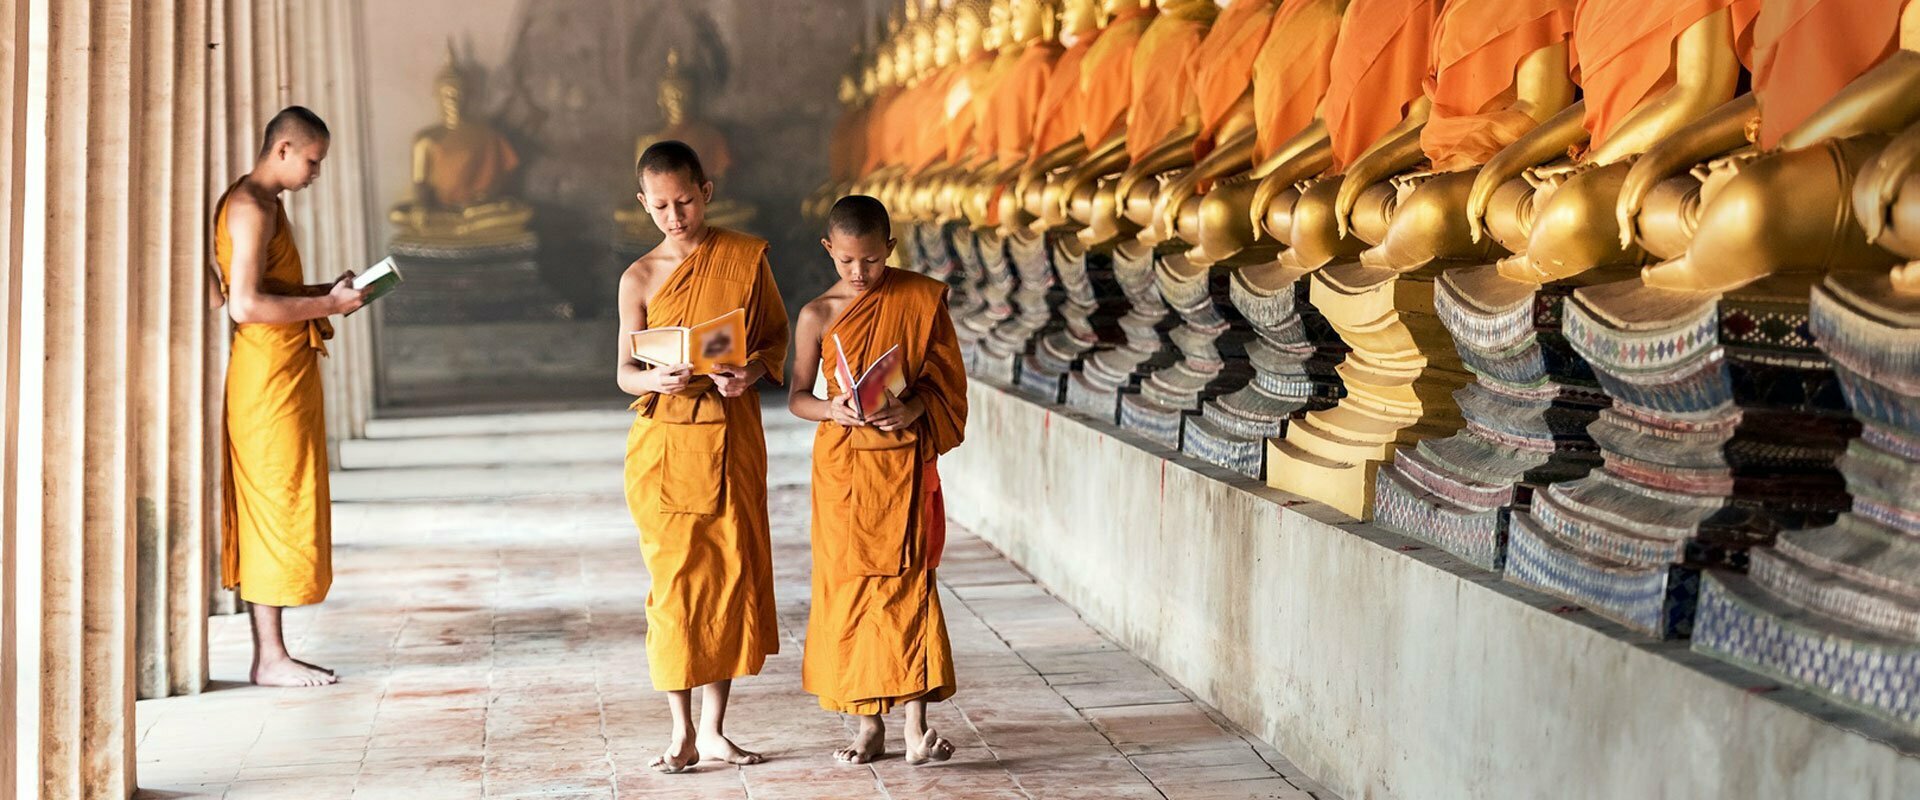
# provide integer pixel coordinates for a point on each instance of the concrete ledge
(1382, 667)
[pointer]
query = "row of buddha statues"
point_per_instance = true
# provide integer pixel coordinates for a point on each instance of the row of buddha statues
(461, 206)
(1617, 298)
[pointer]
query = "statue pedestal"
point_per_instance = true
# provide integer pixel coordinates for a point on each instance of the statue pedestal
(1526, 419)
(989, 250)
(1400, 377)
(1089, 310)
(1012, 340)
(1212, 341)
(1292, 355)
(1833, 609)
(1096, 388)
(1723, 430)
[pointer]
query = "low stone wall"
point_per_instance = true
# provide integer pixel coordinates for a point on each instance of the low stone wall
(1382, 668)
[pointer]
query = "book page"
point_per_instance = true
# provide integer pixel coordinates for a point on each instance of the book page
(721, 340)
(661, 347)
(885, 375)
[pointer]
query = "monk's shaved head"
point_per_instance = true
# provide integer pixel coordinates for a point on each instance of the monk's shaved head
(671, 157)
(861, 216)
(297, 124)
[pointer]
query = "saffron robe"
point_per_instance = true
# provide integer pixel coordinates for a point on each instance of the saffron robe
(964, 97)
(469, 164)
(1623, 51)
(1010, 113)
(1056, 119)
(1223, 66)
(1163, 82)
(1379, 68)
(1806, 51)
(277, 512)
(875, 635)
(696, 480)
(1292, 70)
(1106, 81)
(1477, 46)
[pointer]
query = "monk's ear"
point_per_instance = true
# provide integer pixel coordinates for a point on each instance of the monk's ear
(826, 244)
(706, 192)
(890, 243)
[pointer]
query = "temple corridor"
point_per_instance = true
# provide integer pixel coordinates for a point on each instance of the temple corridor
(487, 623)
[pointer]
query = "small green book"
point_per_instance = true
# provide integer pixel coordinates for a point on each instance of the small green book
(379, 279)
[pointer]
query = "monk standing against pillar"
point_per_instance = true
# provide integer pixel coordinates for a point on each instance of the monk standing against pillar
(875, 636)
(277, 523)
(696, 469)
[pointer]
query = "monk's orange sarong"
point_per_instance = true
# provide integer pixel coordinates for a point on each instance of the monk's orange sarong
(696, 479)
(876, 636)
(277, 513)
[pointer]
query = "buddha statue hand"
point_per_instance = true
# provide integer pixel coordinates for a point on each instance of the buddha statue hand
(1877, 189)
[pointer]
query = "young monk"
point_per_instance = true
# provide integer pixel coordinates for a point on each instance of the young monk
(876, 637)
(277, 520)
(696, 467)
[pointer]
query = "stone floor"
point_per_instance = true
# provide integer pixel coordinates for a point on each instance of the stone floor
(493, 647)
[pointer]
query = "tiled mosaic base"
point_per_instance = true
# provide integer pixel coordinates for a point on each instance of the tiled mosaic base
(1400, 504)
(1656, 600)
(1095, 389)
(1152, 421)
(1741, 623)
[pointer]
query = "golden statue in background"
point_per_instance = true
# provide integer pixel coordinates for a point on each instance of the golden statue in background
(461, 171)
(676, 105)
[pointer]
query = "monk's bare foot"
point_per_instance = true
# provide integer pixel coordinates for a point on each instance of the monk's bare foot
(313, 666)
(679, 757)
(720, 748)
(288, 672)
(868, 745)
(931, 747)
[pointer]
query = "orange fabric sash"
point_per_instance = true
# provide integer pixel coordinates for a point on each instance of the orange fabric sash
(1163, 82)
(1293, 69)
(1106, 82)
(1223, 66)
(1056, 120)
(1806, 51)
(1379, 67)
(1623, 51)
(1477, 45)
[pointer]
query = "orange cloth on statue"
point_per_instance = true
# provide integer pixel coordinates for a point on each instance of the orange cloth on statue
(1379, 67)
(466, 165)
(277, 511)
(877, 133)
(1623, 51)
(970, 86)
(1056, 119)
(1293, 69)
(1477, 46)
(1106, 79)
(846, 154)
(1223, 66)
(1163, 82)
(875, 634)
(927, 143)
(1010, 113)
(1805, 51)
(696, 481)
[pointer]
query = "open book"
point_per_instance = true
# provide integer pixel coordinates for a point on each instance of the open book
(379, 280)
(721, 340)
(887, 375)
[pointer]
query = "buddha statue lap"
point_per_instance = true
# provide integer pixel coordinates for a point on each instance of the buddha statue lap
(462, 169)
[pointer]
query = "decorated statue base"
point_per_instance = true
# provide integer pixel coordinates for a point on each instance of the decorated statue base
(1833, 609)
(1096, 388)
(1212, 341)
(997, 282)
(1089, 311)
(1032, 300)
(1724, 428)
(1526, 419)
(1292, 354)
(1399, 377)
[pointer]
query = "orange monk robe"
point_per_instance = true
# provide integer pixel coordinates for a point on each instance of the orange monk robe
(929, 138)
(877, 136)
(1293, 69)
(1623, 51)
(1106, 80)
(969, 89)
(1163, 82)
(1010, 112)
(1477, 47)
(1805, 51)
(277, 513)
(696, 478)
(1056, 118)
(875, 634)
(1379, 66)
(466, 165)
(1223, 66)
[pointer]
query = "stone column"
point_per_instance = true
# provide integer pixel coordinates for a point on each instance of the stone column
(15, 752)
(74, 549)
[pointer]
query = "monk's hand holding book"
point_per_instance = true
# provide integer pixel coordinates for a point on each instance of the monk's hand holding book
(671, 379)
(896, 414)
(346, 299)
(840, 410)
(734, 381)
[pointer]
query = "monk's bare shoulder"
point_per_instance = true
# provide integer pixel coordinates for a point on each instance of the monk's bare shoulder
(246, 208)
(644, 276)
(821, 310)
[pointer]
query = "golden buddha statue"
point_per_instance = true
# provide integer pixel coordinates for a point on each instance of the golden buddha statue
(979, 39)
(676, 101)
(461, 172)
(1022, 72)
(1074, 201)
(1056, 140)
